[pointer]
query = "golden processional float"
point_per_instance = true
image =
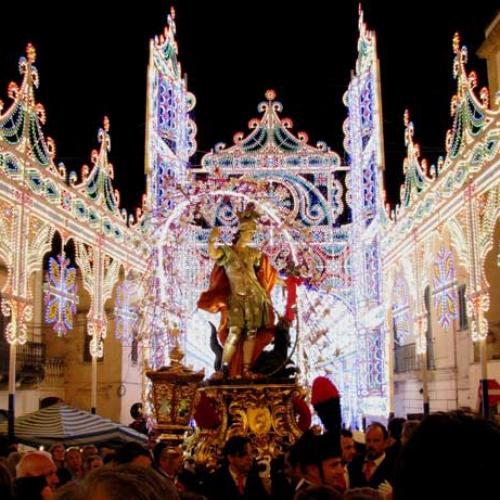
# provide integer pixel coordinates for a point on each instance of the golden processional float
(305, 201)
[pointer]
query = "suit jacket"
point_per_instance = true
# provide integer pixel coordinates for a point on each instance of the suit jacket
(384, 472)
(282, 488)
(221, 486)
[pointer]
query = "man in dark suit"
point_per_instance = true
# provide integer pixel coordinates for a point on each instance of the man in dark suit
(376, 468)
(237, 479)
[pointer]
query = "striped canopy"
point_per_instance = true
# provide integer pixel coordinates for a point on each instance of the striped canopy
(61, 423)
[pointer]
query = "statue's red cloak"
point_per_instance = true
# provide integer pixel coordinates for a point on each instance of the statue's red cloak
(214, 300)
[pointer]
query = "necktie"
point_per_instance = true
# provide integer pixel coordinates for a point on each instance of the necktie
(180, 486)
(240, 482)
(368, 469)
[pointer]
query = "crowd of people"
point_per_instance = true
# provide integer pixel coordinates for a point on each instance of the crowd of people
(446, 455)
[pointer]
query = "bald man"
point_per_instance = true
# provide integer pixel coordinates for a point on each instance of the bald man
(36, 474)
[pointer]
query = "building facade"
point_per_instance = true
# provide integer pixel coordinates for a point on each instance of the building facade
(397, 306)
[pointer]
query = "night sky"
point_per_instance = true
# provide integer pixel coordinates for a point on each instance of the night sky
(92, 60)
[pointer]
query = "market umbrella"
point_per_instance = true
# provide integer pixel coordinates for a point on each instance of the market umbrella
(61, 423)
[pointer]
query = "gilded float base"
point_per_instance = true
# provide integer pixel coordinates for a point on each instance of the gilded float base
(262, 411)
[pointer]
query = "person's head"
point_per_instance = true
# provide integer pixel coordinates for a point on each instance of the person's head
(122, 481)
(395, 427)
(239, 454)
(88, 450)
(109, 458)
(376, 440)
(348, 446)
(57, 451)
(450, 455)
(318, 492)
(107, 453)
(191, 495)
(409, 428)
(291, 466)
(133, 454)
(73, 459)
(12, 461)
(169, 459)
(363, 494)
(91, 462)
(38, 463)
(320, 458)
(7, 445)
(136, 411)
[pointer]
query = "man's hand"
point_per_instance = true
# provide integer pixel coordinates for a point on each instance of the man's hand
(385, 489)
(264, 467)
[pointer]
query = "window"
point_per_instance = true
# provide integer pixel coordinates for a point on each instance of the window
(463, 320)
(4, 345)
(2, 322)
(134, 349)
(428, 334)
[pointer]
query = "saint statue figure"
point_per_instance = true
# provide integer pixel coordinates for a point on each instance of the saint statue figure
(240, 286)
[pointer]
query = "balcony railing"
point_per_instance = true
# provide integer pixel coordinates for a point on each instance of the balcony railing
(30, 362)
(54, 369)
(406, 358)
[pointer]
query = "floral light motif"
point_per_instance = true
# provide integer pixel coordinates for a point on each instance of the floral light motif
(445, 298)
(61, 295)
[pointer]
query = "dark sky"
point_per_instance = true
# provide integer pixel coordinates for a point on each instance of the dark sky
(92, 59)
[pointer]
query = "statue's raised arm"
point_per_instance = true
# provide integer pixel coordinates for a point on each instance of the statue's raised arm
(214, 252)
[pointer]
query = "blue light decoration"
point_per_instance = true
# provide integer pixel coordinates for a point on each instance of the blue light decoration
(170, 133)
(61, 295)
(367, 197)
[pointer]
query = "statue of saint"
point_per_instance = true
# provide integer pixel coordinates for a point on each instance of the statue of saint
(240, 286)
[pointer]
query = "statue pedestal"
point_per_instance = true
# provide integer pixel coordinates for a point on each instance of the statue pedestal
(264, 412)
